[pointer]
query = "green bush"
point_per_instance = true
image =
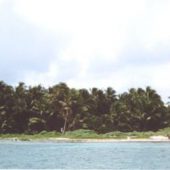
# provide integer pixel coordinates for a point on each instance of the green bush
(81, 133)
(116, 134)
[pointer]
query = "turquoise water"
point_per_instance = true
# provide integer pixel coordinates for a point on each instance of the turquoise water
(118, 155)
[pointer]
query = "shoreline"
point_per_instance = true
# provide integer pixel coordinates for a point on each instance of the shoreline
(71, 140)
(105, 140)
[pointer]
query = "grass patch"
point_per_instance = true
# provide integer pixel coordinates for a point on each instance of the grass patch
(81, 133)
(114, 135)
(86, 134)
(27, 137)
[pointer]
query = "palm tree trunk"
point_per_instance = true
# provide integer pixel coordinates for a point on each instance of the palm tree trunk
(65, 122)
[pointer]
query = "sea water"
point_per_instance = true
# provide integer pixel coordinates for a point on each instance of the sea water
(115, 155)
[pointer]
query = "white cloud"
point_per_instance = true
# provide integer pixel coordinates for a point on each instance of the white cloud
(1, 4)
(1, 1)
(46, 79)
(102, 30)
(151, 27)
(97, 29)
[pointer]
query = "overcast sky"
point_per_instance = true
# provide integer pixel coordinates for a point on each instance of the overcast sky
(86, 43)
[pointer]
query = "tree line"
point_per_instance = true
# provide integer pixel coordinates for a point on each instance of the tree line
(59, 108)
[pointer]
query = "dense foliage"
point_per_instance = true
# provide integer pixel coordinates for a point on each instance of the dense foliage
(34, 109)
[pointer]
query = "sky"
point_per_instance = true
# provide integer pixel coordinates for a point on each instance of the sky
(86, 43)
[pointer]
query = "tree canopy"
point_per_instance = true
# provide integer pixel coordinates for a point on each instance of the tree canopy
(26, 109)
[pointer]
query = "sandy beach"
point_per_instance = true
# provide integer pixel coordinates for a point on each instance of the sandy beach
(60, 140)
(156, 139)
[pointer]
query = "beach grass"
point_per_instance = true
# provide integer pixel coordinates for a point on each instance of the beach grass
(85, 134)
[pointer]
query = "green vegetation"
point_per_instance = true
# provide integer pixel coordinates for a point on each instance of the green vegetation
(82, 134)
(85, 134)
(102, 113)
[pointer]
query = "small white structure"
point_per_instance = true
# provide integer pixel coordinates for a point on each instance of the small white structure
(159, 138)
(128, 138)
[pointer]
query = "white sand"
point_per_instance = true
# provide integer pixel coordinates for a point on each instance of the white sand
(159, 138)
(151, 139)
(60, 140)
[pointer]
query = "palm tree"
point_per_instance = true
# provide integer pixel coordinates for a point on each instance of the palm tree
(20, 110)
(6, 108)
(61, 103)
